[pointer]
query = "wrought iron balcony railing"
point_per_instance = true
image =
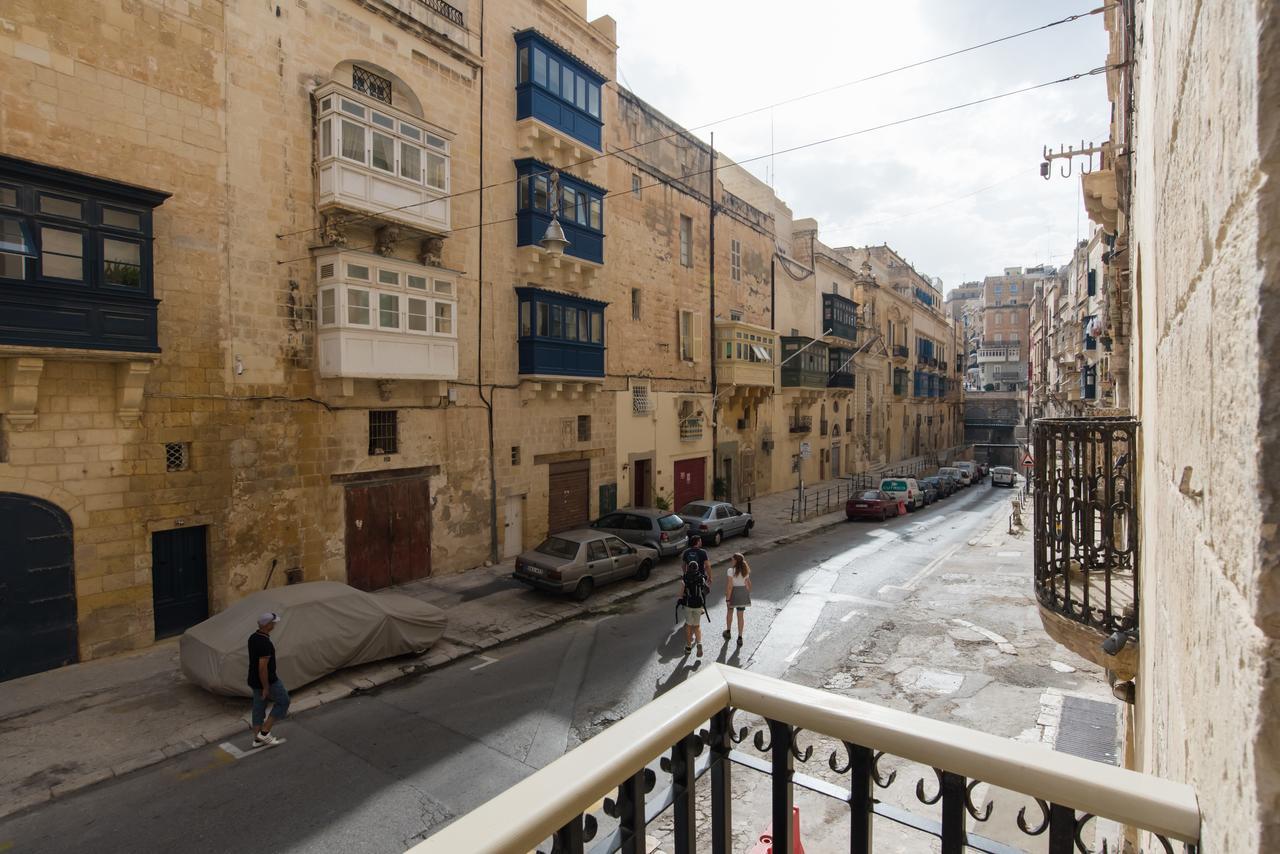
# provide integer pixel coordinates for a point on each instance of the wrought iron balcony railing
(690, 731)
(900, 351)
(690, 429)
(1086, 524)
(802, 424)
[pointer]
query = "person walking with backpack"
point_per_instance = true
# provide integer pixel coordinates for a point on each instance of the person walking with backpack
(695, 553)
(737, 594)
(696, 586)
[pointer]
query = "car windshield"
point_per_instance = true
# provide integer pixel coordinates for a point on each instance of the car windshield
(870, 495)
(893, 485)
(696, 509)
(671, 523)
(558, 547)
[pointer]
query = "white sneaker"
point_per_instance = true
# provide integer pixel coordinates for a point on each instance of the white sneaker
(265, 739)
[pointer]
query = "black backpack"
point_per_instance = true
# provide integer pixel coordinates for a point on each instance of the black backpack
(695, 586)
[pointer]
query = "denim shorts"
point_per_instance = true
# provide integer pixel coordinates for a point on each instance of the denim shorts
(278, 699)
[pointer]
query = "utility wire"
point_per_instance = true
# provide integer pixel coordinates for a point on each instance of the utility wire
(687, 131)
(714, 168)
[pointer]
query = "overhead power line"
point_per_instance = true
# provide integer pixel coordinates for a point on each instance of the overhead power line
(751, 112)
(851, 134)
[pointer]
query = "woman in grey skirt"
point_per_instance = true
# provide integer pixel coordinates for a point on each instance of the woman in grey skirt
(737, 595)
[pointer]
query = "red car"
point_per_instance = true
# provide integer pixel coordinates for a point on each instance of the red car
(873, 504)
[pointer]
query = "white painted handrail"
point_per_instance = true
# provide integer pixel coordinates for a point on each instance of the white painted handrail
(532, 810)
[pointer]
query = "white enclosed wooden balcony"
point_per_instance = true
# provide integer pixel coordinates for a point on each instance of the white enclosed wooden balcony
(384, 318)
(380, 163)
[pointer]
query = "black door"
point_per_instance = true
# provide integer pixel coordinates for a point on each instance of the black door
(37, 587)
(179, 579)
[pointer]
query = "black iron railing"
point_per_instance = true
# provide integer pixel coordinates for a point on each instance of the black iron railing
(900, 351)
(865, 750)
(444, 10)
(801, 424)
(1086, 523)
(828, 499)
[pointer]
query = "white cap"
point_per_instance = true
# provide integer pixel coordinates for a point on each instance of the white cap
(269, 617)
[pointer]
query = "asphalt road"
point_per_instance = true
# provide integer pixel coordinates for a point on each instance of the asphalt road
(379, 771)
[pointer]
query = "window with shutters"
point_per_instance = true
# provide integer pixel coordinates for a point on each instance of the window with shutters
(690, 335)
(735, 260)
(686, 241)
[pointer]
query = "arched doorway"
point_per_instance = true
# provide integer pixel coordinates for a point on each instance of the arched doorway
(37, 587)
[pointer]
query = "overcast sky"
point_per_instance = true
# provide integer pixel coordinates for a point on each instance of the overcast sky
(958, 195)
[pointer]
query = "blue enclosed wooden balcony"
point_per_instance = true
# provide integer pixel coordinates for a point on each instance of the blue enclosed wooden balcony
(560, 335)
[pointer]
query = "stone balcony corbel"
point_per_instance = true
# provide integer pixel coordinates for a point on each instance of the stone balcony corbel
(21, 390)
(131, 381)
(558, 271)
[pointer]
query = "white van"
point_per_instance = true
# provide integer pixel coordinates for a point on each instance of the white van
(960, 475)
(904, 489)
(970, 468)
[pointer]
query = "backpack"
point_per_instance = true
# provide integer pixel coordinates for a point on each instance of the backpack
(696, 587)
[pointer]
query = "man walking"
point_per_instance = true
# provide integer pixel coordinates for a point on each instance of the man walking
(266, 688)
(695, 553)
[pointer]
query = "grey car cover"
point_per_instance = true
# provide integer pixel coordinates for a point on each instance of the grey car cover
(324, 626)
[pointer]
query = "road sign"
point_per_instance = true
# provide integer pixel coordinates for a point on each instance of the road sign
(1027, 462)
(805, 452)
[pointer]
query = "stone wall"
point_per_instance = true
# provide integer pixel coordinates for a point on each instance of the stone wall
(1207, 268)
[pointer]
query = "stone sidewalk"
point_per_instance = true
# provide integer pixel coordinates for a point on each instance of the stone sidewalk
(79, 725)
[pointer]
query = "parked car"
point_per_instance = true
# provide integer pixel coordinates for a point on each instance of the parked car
(955, 474)
(943, 485)
(929, 491)
(968, 472)
(873, 504)
(577, 561)
(324, 626)
(1003, 476)
(661, 530)
(905, 489)
(715, 520)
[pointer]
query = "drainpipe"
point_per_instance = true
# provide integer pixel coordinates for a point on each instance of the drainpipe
(715, 419)
(488, 402)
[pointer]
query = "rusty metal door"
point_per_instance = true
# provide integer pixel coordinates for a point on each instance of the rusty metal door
(568, 496)
(388, 532)
(38, 629)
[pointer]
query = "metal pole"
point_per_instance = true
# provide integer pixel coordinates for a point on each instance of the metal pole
(711, 228)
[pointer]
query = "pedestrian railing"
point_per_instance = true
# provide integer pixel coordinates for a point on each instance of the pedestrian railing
(828, 499)
(649, 763)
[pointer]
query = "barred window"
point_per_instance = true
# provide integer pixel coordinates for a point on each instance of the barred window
(177, 456)
(584, 428)
(383, 432)
(515, 455)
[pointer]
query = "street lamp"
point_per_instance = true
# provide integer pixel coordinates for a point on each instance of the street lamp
(553, 240)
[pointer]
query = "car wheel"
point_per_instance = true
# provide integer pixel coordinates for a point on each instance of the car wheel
(746, 532)
(642, 572)
(884, 515)
(717, 538)
(583, 591)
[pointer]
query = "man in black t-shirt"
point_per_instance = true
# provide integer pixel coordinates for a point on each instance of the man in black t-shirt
(697, 554)
(266, 688)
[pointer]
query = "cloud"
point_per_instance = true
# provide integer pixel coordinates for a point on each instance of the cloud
(957, 194)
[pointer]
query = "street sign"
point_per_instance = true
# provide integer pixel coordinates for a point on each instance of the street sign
(1027, 462)
(805, 452)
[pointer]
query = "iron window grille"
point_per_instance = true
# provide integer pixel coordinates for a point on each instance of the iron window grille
(374, 85)
(444, 10)
(584, 428)
(177, 456)
(515, 455)
(383, 432)
(640, 403)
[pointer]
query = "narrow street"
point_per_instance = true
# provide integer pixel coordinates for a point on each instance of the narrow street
(380, 770)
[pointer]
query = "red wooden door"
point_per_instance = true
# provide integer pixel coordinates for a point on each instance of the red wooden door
(691, 480)
(388, 533)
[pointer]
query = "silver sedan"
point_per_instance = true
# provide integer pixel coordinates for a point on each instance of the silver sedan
(576, 561)
(715, 520)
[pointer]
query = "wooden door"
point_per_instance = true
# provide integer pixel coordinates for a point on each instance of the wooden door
(38, 629)
(568, 496)
(691, 481)
(513, 527)
(641, 478)
(179, 579)
(388, 532)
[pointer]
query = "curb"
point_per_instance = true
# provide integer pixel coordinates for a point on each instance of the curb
(352, 684)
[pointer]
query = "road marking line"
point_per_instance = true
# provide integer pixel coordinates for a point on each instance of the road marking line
(488, 659)
(923, 573)
(794, 654)
(848, 597)
(233, 751)
(847, 617)
(999, 640)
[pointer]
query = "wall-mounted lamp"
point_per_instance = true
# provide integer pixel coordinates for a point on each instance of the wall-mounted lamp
(553, 240)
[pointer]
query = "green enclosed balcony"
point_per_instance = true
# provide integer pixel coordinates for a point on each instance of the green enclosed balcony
(805, 362)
